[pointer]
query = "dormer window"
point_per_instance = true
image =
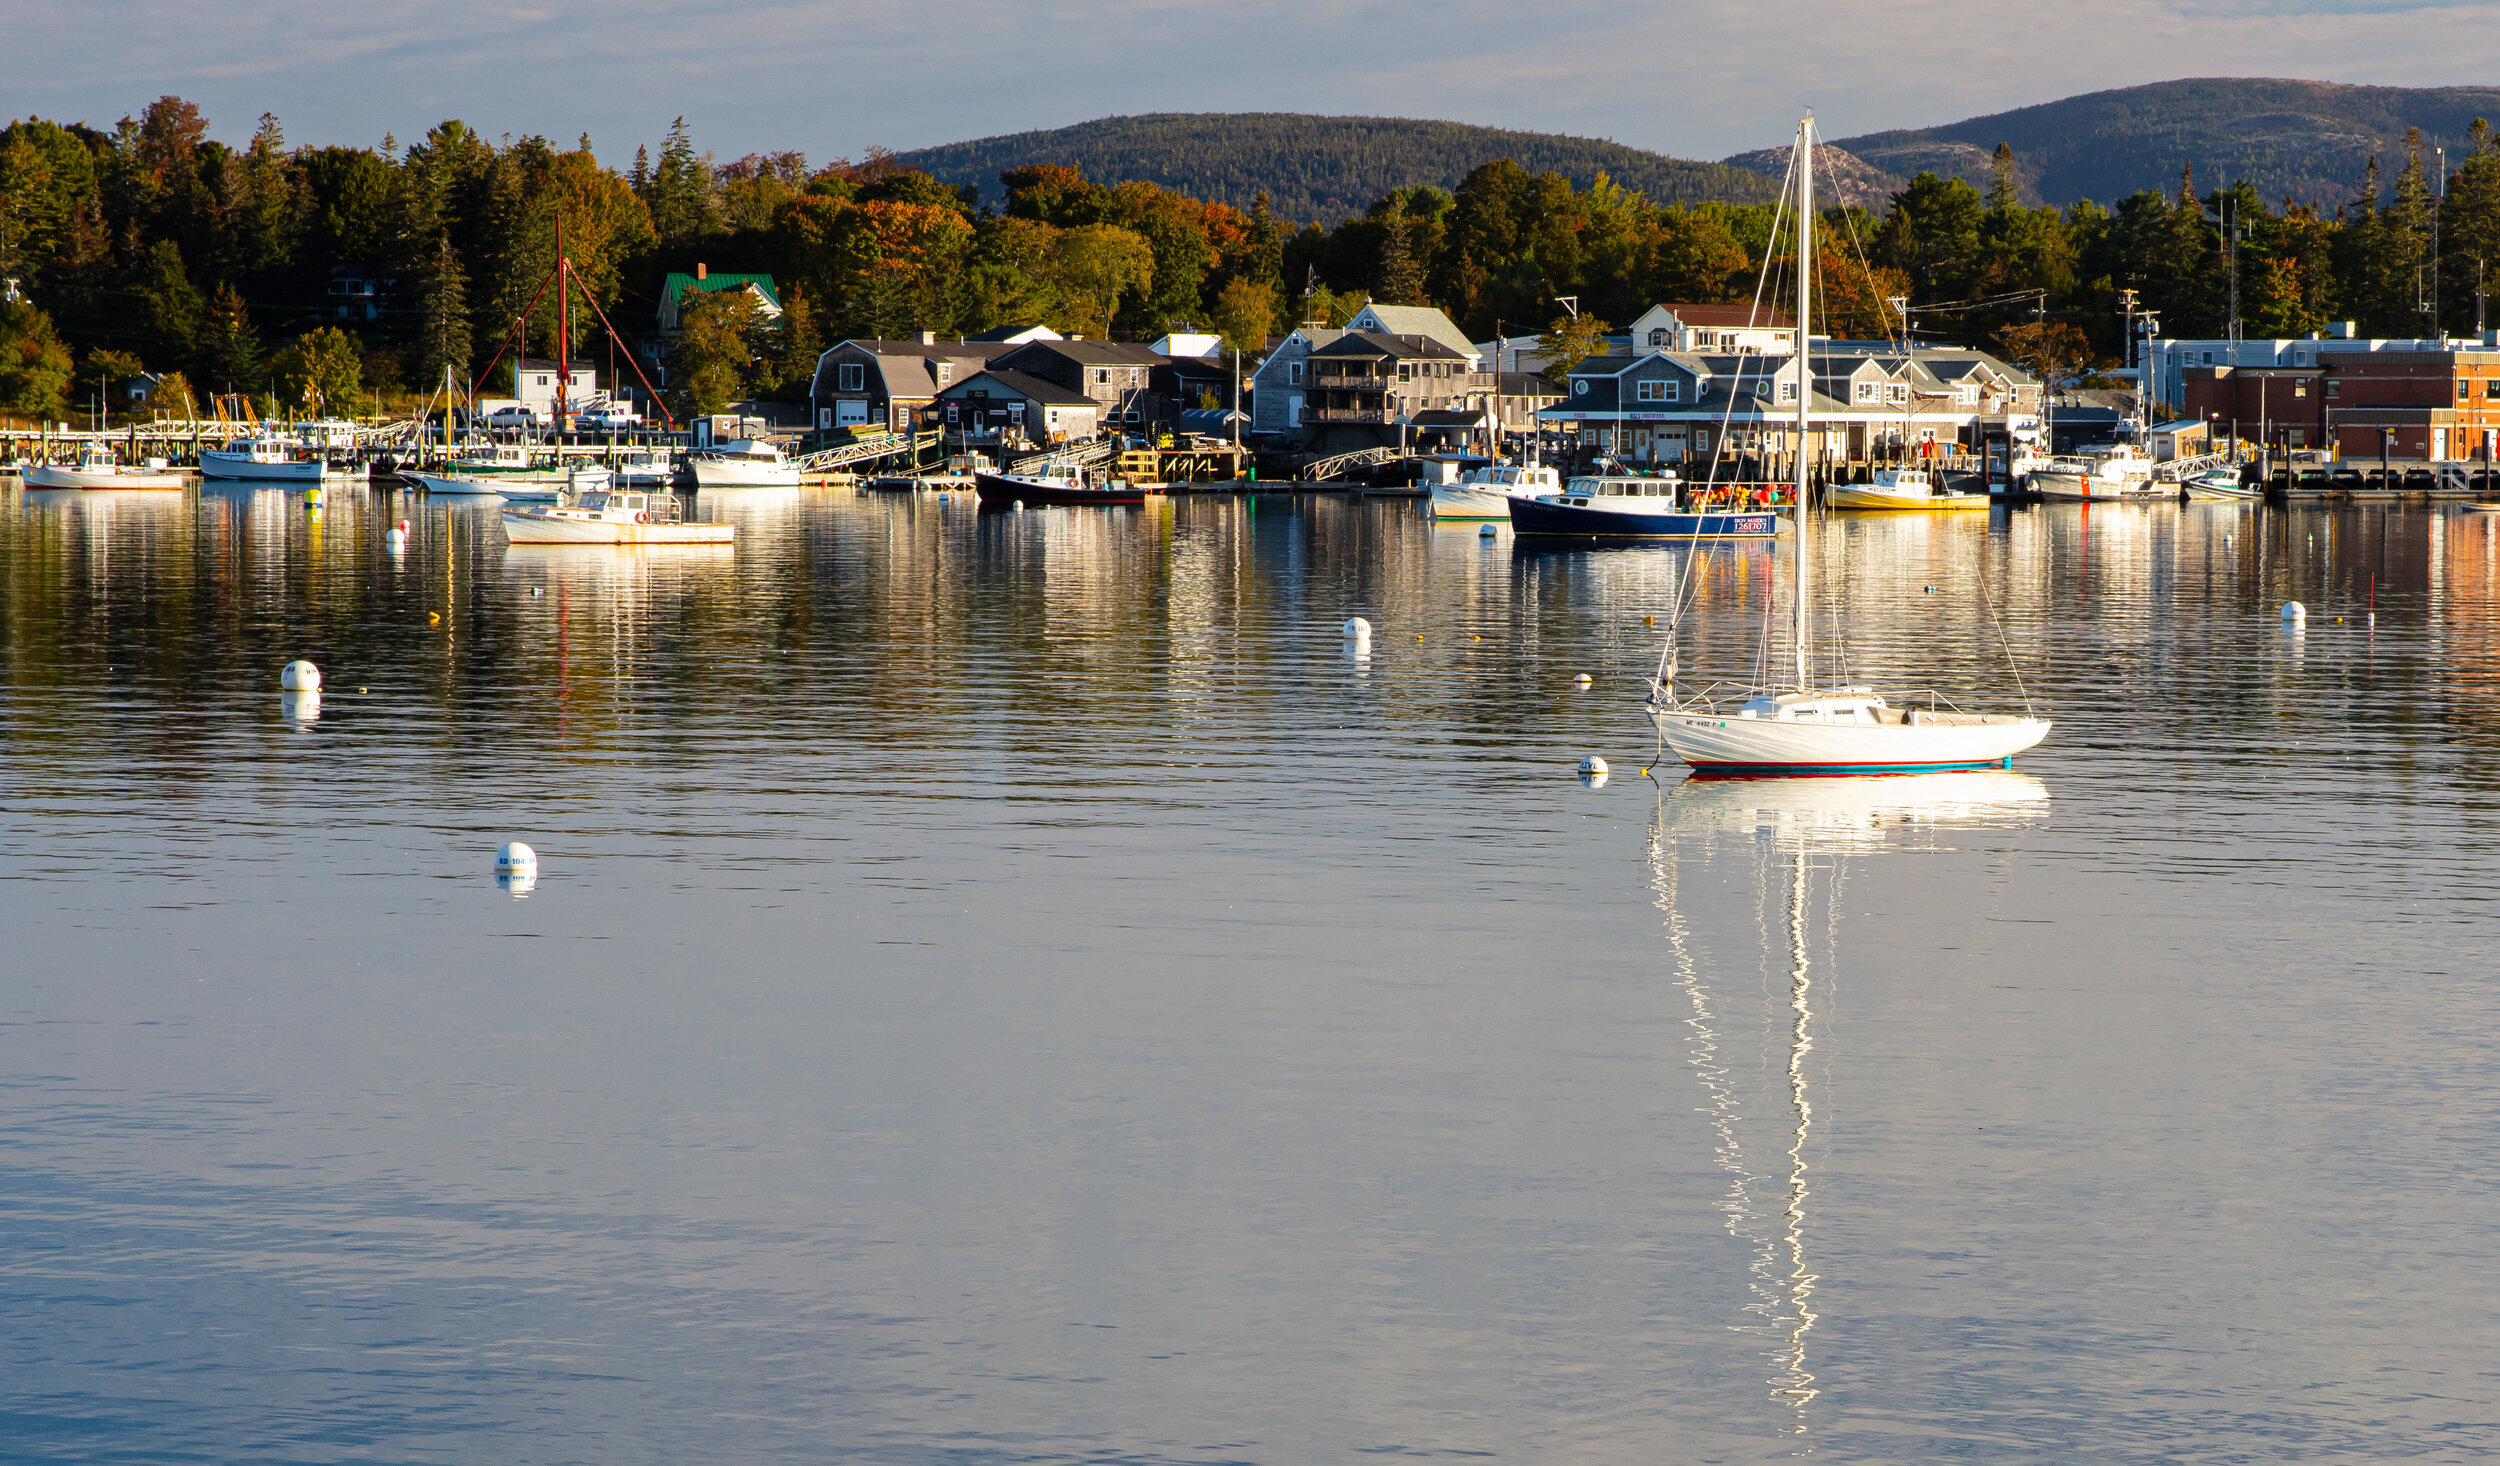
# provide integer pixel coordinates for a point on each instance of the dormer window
(1658, 337)
(1870, 391)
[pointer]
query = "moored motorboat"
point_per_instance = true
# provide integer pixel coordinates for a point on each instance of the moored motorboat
(264, 456)
(1487, 493)
(611, 517)
(2216, 484)
(1068, 485)
(1901, 488)
(98, 469)
(2110, 471)
(746, 463)
(1659, 508)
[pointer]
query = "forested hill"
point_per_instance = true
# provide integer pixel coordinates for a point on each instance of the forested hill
(1320, 168)
(2309, 140)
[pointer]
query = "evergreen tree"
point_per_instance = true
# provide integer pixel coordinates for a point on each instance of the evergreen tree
(443, 331)
(1401, 273)
(169, 306)
(2005, 191)
(229, 356)
(2469, 232)
(2407, 242)
(679, 191)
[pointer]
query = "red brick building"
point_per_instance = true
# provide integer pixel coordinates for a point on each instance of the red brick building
(2429, 403)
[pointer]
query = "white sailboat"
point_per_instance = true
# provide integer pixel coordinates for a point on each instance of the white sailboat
(1805, 729)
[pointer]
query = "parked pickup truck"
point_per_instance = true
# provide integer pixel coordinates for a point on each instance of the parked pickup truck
(601, 415)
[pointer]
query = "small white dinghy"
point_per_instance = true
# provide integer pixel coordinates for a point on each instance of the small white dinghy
(611, 517)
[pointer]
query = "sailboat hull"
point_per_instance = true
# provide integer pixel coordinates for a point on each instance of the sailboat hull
(1726, 745)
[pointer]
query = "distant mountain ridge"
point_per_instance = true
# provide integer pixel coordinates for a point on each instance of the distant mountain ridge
(1320, 168)
(2309, 140)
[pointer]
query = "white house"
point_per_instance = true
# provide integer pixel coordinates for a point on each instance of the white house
(534, 385)
(1718, 330)
(1189, 343)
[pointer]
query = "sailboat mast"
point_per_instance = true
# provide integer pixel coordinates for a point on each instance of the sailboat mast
(1805, 381)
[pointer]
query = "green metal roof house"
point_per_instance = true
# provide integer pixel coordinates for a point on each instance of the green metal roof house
(674, 288)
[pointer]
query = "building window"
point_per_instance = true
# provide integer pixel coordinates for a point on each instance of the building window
(1293, 374)
(853, 376)
(1580, 387)
(2491, 389)
(1900, 392)
(1658, 336)
(2209, 358)
(1788, 391)
(946, 372)
(2300, 389)
(2334, 389)
(1870, 392)
(1656, 391)
(1102, 378)
(1727, 341)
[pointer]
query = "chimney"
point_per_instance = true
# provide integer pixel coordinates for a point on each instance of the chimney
(928, 338)
(702, 271)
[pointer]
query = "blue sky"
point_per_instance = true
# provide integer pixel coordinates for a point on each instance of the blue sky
(1698, 78)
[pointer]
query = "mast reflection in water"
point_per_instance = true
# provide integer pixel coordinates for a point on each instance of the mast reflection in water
(1794, 838)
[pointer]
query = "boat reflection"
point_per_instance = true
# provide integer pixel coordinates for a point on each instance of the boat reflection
(1795, 836)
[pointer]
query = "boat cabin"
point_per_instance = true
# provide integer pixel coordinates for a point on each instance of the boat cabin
(1513, 478)
(1847, 705)
(1656, 495)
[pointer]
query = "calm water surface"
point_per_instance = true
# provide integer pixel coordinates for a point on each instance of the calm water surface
(1008, 988)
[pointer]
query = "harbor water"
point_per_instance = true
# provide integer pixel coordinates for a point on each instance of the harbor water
(1011, 987)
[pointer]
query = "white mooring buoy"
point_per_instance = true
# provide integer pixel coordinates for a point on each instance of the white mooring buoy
(300, 677)
(516, 858)
(1485, 533)
(1358, 636)
(1583, 680)
(2294, 611)
(1592, 765)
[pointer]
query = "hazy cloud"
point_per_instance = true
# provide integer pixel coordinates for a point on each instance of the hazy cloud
(1700, 78)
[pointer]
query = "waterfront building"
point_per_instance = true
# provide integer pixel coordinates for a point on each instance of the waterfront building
(1721, 329)
(2429, 399)
(874, 382)
(1280, 388)
(1003, 409)
(534, 387)
(1870, 399)
(1115, 375)
(1384, 385)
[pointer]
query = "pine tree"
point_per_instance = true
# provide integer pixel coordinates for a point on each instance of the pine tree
(1401, 272)
(229, 352)
(2005, 194)
(443, 331)
(679, 191)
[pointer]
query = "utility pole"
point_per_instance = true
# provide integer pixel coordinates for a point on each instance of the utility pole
(2439, 202)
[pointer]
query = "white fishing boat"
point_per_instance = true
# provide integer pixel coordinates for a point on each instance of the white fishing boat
(1803, 728)
(2218, 483)
(96, 468)
(2109, 471)
(745, 463)
(1900, 488)
(647, 470)
(263, 457)
(1486, 493)
(612, 517)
